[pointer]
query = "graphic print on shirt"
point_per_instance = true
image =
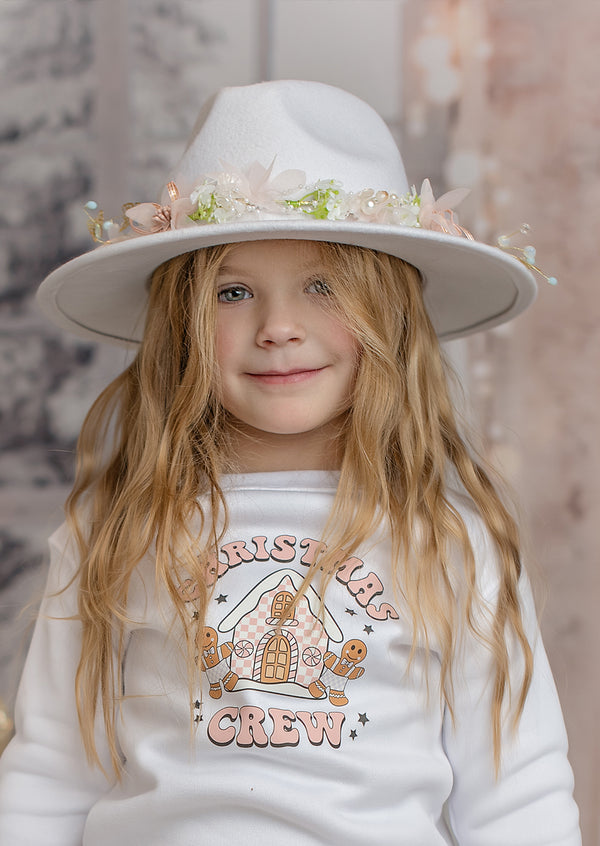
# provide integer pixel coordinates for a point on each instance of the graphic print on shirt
(305, 656)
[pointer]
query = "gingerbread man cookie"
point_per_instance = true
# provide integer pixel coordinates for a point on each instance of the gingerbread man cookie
(338, 670)
(214, 662)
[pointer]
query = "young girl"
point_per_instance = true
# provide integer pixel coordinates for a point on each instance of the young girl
(288, 604)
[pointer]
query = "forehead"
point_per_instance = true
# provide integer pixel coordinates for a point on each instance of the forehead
(299, 253)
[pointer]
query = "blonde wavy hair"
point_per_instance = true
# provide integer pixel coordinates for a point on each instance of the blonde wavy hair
(400, 446)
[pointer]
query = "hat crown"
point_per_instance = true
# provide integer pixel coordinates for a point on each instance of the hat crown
(309, 126)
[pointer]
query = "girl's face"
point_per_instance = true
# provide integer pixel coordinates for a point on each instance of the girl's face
(286, 361)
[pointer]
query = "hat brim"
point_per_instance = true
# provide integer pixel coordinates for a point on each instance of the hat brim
(469, 286)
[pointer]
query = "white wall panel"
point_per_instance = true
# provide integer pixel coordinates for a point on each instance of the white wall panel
(351, 43)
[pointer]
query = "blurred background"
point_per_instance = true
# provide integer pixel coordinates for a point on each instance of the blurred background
(502, 96)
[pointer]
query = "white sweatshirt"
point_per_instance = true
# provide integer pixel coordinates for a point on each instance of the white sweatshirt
(310, 735)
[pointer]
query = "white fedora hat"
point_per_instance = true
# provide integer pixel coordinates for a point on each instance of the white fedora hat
(296, 160)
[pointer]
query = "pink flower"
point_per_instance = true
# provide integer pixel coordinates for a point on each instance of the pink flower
(437, 214)
(256, 184)
(148, 218)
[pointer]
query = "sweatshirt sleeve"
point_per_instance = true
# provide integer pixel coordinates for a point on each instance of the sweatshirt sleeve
(531, 802)
(46, 784)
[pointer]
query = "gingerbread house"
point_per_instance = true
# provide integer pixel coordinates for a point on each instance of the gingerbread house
(268, 652)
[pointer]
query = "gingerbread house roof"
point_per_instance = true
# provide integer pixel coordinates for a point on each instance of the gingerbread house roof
(272, 582)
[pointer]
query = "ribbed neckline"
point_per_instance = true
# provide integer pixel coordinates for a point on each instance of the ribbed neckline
(283, 480)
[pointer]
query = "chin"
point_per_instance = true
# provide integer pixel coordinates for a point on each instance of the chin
(290, 430)
(286, 427)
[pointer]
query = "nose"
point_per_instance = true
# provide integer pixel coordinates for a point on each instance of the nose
(280, 323)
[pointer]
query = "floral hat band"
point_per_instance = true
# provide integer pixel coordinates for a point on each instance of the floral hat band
(235, 194)
(290, 159)
(253, 193)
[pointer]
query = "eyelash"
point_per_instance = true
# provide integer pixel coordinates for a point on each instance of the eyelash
(324, 291)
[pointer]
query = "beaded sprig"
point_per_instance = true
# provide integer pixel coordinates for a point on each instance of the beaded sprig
(101, 230)
(526, 255)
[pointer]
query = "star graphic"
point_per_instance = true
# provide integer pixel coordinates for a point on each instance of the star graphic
(195, 615)
(353, 734)
(222, 598)
(197, 704)
(198, 718)
(363, 719)
(368, 629)
(350, 611)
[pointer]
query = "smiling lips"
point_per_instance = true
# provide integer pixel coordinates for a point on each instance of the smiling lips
(289, 377)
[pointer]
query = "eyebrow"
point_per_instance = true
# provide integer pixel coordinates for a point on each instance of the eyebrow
(230, 268)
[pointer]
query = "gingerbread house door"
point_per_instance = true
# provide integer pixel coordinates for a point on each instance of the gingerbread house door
(276, 660)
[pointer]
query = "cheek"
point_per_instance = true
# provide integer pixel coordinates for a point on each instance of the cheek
(225, 346)
(341, 340)
(349, 351)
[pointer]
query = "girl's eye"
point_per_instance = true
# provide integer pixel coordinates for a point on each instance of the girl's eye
(318, 286)
(233, 294)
